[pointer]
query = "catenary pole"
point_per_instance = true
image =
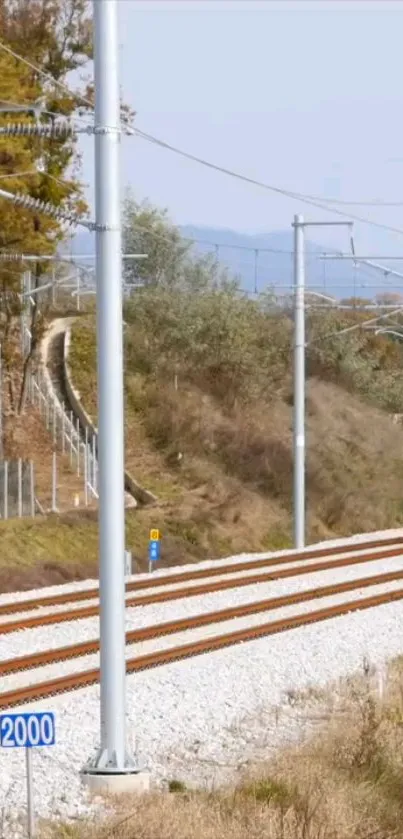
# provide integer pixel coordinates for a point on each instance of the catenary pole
(299, 371)
(299, 383)
(111, 756)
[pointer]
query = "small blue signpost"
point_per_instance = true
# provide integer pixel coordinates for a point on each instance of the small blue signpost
(154, 548)
(28, 731)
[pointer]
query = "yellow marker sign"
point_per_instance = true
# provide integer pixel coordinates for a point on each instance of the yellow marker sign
(154, 535)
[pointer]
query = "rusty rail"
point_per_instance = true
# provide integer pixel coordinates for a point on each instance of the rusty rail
(197, 574)
(40, 659)
(64, 684)
(29, 622)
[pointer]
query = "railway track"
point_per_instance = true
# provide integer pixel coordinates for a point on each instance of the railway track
(210, 587)
(71, 682)
(219, 569)
(199, 582)
(40, 659)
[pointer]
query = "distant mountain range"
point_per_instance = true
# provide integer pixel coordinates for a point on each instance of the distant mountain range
(263, 261)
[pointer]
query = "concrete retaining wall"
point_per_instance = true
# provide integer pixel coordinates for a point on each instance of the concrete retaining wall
(142, 496)
(56, 326)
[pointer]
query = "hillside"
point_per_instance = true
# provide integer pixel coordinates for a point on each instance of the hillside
(230, 491)
(208, 385)
(208, 390)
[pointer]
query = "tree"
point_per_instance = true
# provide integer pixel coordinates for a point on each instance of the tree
(147, 230)
(356, 302)
(389, 298)
(54, 35)
(191, 321)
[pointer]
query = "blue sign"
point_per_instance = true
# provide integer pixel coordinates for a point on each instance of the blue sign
(154, 550)
(27, 730)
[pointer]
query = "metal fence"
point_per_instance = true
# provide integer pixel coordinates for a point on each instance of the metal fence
(17, 489)
(69, 437)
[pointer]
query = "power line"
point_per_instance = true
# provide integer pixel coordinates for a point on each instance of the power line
(357, 258)
(62, 183)
(39, 174)
(314, 201)
(57, 114)
(165, 237)
(46, 75)
(29, 203)
(235, 247)
(18, 175)
(305, 199)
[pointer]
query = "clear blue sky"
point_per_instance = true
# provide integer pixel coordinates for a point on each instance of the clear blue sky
(304, 95)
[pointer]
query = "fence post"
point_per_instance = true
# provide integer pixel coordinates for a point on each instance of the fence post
(6, 489)
(63, 428)
(54, 483)
(78, 445)
(54, 422)
(86, 463)
(1, 406)
(86, 474)
(71, 438)
(94, 462)
(19, 487)
(40, 395)
(32, 485)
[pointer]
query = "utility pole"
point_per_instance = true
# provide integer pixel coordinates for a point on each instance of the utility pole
(299, 383)
(299, 373)
(1, 407)
(113, 768)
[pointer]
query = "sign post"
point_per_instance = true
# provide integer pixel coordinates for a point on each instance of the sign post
(128, 564)
(28, 731)
(30, 802)
(154, 549)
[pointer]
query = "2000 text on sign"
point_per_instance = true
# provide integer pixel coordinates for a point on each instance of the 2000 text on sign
(27, 730)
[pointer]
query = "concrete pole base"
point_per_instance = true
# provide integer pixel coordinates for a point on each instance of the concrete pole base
(116, 784)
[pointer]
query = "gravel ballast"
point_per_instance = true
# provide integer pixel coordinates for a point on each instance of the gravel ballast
(58, 635)
(200, 718)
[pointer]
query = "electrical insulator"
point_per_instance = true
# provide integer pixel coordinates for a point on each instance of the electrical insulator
(57, 131)
(30, 203)
(57, 213)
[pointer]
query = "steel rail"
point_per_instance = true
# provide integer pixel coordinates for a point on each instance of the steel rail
(64, 684)
(197, 574)
(40, 659)
(29, 622)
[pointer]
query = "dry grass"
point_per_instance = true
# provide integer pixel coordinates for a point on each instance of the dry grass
(345, 783)
(222, 472)
(31, 440)
(54, 549)
(225, 475)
